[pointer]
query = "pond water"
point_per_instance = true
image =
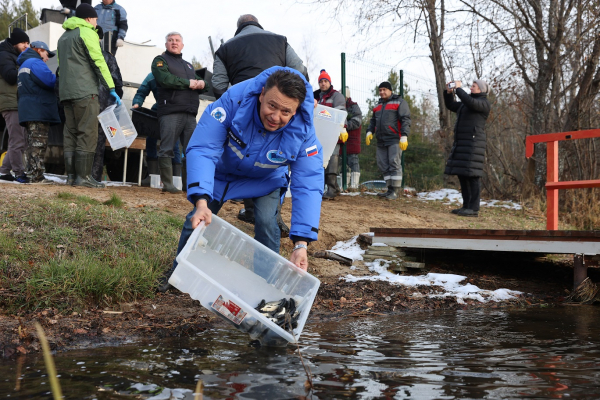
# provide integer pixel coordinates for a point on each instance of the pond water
(490, 354)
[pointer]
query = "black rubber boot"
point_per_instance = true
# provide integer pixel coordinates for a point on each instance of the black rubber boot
(457, 210)
(83, 171)
(166, 175)
(466, 212)
(393, 194)
(70, 167)
(176, 169)
(331, 181)
(152, 170)
(389, 185)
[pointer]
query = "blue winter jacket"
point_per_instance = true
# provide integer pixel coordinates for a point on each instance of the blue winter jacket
(37, 101)
(232, 156)
(149, 85)
(112, 18)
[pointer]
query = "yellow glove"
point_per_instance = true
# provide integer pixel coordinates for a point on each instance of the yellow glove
(369, 138)
(344, 136)
(403, 143)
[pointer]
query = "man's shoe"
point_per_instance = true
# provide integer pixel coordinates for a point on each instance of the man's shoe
(22, 179)
(386, 194)
(164, 285)
(8, 177)
(246, 215)
(465, 212)
(457, 210)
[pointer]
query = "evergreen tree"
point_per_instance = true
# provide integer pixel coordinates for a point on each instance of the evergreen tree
(11, 10)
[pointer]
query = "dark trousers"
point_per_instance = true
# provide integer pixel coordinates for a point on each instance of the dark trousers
(470, 189)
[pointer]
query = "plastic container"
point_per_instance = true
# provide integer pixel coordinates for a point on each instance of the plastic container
(329, 123)
(155, 181)
(117, 126)
(230, 273)
(146, 122)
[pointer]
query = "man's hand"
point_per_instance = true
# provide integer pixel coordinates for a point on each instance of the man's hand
(200, 85)
(300, 258)
(403, 143)
(369, 138)
(458, 84)
(120, 42)
(65, 11)
(315, 103)
(136, 106)
(202, 213)
(193, 84)
(344, 136)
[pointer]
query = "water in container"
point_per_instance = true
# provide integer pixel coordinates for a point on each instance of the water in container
(117, 126)
(230, 273)
(329, 123)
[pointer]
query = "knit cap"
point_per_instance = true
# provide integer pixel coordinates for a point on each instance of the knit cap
(483, 86)
(85, 11)
(324, 75)
(385, 84)
(18, 36)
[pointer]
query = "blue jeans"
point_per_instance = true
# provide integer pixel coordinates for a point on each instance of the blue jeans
(152, 152)
(266, 229)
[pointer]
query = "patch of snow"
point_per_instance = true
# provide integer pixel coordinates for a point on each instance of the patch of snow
(144, 388)
(56, 178)
(449, 282)
(358, 193)
(350, 249)
(171, 394)
(379, 245)
(453, 196)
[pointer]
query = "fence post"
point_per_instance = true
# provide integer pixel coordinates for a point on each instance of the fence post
(344, 157)
(552, 194)
(402, 95)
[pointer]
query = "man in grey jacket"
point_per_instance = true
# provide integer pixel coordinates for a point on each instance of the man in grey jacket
(249, 52)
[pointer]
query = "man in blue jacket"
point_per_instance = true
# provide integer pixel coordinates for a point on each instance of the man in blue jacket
(242, 148)
(38, 108)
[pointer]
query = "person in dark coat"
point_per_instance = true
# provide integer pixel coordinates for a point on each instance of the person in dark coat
(105, 99)
(353, 125)
(468, 151)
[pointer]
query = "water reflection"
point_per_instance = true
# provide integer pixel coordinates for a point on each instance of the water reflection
(548, 353)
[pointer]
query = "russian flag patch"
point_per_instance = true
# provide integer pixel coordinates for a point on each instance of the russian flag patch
(312, 151)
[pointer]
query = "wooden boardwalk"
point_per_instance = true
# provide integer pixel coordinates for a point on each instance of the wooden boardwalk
(578, 243)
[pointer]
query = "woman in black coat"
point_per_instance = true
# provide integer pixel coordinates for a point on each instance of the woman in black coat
(468, 151)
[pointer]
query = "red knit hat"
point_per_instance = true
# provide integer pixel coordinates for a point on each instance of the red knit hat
(324, 75)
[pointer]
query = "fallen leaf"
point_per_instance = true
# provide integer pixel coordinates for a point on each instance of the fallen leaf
(370, 304)
(53, 321)
(79, 331)
(60, 246)
(343, 300)
(72, 205)
(105, 330)
(22, 350)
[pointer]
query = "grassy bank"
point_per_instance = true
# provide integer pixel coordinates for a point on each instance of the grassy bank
(69, 252)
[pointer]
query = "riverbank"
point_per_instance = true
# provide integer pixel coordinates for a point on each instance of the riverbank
(126, 238)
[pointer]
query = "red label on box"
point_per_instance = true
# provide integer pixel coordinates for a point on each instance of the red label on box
(229, 310)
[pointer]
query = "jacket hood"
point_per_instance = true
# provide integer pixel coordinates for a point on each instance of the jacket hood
(6, 46)
(26, 55)
(299, 127)
(74, 23)
(245, 24)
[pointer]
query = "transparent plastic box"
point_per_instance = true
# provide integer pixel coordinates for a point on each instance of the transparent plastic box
(155, 181)
(230, 273)
(177, 182)
(329, 123)
(117, 125)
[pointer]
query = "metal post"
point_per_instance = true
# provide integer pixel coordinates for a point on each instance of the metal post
(552, 194)
(344, 157)
(402, 95)
(212, 49)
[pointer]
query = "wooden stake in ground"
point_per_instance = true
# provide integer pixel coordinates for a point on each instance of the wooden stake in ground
(49, 361)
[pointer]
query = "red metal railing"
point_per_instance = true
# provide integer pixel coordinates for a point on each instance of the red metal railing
(552, 183)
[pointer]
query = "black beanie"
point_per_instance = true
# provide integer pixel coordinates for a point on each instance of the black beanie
(18, 36)
(385, 84)
(85, 11)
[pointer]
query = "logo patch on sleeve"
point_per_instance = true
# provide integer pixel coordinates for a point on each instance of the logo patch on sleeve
(159, 64)
(219, 114)
(312, 151)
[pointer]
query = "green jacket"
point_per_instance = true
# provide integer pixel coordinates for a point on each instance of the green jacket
(9, 71)
(81, 61)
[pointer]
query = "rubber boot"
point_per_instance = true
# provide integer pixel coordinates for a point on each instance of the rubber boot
(394, 193)
(331, 181)
(70, 167)
(246, 214)
(166, 175)
(152, 170)
(83, 170)
(389, 185)
(354, 180)
(176, 169)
